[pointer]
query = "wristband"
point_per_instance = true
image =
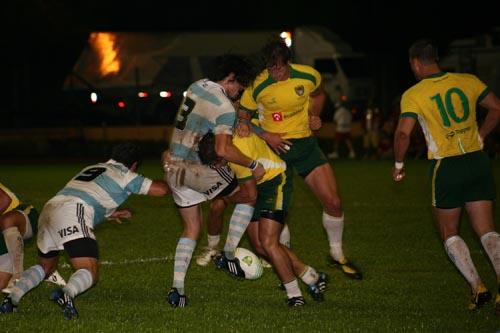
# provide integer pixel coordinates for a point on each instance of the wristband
(253, 165)
(399, 165)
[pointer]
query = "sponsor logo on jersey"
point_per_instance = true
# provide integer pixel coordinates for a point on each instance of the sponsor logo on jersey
(68, 231)
(451, 134)
(277, 116)
(299, 90)
(213, 188)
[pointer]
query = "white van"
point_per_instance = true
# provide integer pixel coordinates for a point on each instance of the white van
(147, 64)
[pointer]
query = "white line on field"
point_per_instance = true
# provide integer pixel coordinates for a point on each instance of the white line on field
(129, 261)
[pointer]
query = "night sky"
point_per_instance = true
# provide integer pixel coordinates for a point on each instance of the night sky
(45, 38)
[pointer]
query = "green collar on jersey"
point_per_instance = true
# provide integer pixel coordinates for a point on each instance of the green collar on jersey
(435, 75)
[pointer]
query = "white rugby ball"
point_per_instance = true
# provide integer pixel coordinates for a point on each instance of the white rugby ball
(249, 263)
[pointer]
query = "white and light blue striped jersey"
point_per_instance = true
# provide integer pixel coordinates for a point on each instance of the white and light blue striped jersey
(204, 108)
(104, 187)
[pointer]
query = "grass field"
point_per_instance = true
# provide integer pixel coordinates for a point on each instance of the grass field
(409, 283)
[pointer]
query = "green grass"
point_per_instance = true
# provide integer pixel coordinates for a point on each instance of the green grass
(409, 284)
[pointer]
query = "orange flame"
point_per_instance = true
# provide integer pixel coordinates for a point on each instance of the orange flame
(105, 45)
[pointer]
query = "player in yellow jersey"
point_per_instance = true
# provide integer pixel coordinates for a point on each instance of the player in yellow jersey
(289, 98)
(445, 106)
(274, 193)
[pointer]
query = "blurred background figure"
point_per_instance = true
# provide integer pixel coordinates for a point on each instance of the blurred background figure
(343, 121)
(372, 123)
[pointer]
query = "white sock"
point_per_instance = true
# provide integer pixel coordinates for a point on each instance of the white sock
(15, 247)
(459, 254)
(30, 278)
(238, 224)
(78, 282)
(334, 227)
(183, 254)
(213, 241)
(285, 236)
(292, 289)
(491, 244)
(310, 276)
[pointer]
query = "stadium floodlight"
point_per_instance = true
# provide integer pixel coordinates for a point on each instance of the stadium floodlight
(93, 97)
(287, 37)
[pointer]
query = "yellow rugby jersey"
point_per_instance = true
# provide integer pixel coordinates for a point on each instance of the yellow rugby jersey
(283, 105)
(256, 148)
(14, 199)
(445, 106)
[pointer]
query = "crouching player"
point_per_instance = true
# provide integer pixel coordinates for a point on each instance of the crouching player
(67, 223)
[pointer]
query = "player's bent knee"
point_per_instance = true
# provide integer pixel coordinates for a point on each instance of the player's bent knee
(88, 263)
(333, 206)
(269, 244)
(12, 219)
(217, 206)
(259, 249)
(84, 253)
(48, 261)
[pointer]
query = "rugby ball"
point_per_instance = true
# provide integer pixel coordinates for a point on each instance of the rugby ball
(249, 263)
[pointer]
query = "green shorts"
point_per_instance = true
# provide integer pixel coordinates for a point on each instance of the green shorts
(304, 155)
(32, 214)
(459, 179)
(274, 195)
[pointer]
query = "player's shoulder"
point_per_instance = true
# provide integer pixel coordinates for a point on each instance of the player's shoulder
(305, 72)
(261, 78)
(7, 192)
(116, 169)
(464, 76)
(209, 91)
(4, 188)
(413, 91)
(303, 68)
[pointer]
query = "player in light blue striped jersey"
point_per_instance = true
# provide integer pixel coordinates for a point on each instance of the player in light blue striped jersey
(207, 108)
(67, 223)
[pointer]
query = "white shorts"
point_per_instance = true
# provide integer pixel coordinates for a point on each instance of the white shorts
(194, 184)
(63, 221)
